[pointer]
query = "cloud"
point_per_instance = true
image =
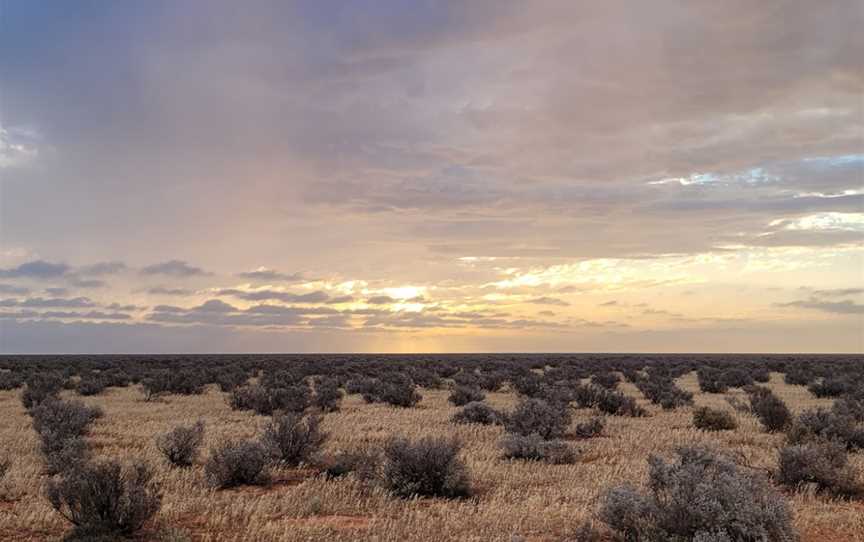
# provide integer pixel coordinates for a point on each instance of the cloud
(265, 274)
(39, 302)
(174, 268)
(839, 292)
(609, 303)
(267, 295)
(833, 307)
(340, 299)
(545, 300)
(162, 290)
(381, 300)
(13, 290)
(102, 268)
(57, 292)
(37, 269)
(79, 282)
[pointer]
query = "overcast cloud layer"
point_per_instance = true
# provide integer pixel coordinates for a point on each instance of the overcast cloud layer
(416, 176)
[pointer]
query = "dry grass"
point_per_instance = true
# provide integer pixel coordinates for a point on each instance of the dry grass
(532, 500)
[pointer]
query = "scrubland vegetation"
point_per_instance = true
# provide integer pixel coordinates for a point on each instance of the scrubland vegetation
(423, 448)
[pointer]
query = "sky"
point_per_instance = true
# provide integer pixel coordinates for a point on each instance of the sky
(431, 176)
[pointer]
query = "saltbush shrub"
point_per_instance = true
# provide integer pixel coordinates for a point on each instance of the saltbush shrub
(823, 424)
(823, 464)
(429, 467)
(10, 380)
(327, 395)
(618, 404)
(236, 463)
(363, 464)
(829, 387)
(40, 387)
(180, 445)
(591, 428)
(701, 496)
(548, 420)
(770, 409)
(711, 419)
(480, 413)
(608, 381)
(105, 499)
(399, 391)
(529, 384)
(535, 448)
(292, 438)
(63, 419)
(462, 395)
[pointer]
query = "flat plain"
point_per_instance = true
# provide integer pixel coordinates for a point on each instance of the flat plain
(513, 500)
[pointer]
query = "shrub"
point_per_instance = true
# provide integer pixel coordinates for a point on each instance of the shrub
(63, 419)
(236, 463)
(180, 445)
(429, 467)
(608, 381)
(547, 420)
(40, 388)
(770, 409)
(363, 464)
(10, 380)
(850, 407)
(462, 395)
(5, 465)
(585, 396)
(591, 428)
(478, 413)
(529, 384)
(265, 401)
(711, 380)
(327, 395)
(661, 390)
(93, 385)
(822, 424)
(228, 380)
(824, 464)
(105, 498)
(399, 391)
(702, 496)
(535, 448)
(618, 404)
(829, 387)
(293, 439)
(63, 454)
(710, 419)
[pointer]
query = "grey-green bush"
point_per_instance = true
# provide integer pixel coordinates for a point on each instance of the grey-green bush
(105, 498)
(535, 448)
(237, 463)
(548, 420)
(823, 464)
(479, 413)
(180, 445)
(429, 467)
(711, 419)
(292, 439)
(701, 496)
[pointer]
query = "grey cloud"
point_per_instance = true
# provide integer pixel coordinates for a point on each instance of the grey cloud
(57, 292)
(839, 292)
(162, 290)
(380, 300)
(271, 275)
(102, 268)
(79, 282)
(545, 300)
(340, 299)
(834, 307)
(609, 304)
(38, 302)
(267, 295)
(174, 268)
(38, 269)
(11, 289)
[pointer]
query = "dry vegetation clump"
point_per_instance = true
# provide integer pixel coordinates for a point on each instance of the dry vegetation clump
(536, 416)
(265, 400)
(180, 445)
(479, 413)
(590, 429)
(363, 464)
(712, 419)
(824, 424)
(823, 464)
(701, 496)
(770, 409)
(61, 426)
(291, 438)
(607, 380)
(237, 463)
(327, 394)
(462, 395)
(105, 498)
(618, 404)
(533, 447)
(428, 467)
